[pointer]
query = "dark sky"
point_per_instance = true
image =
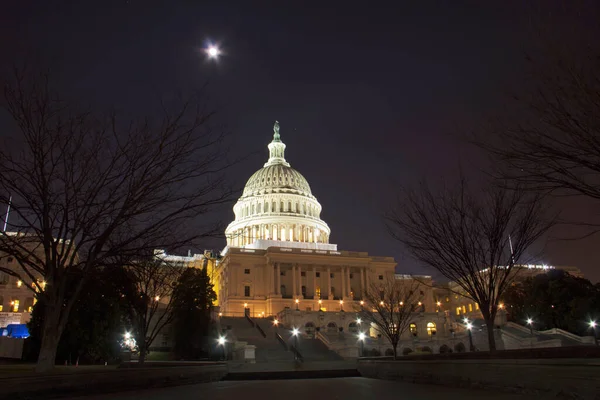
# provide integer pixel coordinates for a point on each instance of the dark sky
(369, 96)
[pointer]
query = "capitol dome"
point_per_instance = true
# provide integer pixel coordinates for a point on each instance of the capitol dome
(277, 205)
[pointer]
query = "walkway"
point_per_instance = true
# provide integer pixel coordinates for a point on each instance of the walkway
(302, 389)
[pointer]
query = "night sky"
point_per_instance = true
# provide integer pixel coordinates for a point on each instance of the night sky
(369, 96)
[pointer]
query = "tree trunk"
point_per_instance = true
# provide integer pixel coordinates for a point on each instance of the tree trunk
(143, 352)
(395, 347)
(490, 331)
(51, 333)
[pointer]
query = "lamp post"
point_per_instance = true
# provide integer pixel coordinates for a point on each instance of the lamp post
(275, 322)
(297, 302)
(362, 303)
(593, 325)
(341, 305)
(530, 323)
(361, 339)
(469, 328)
(295, 333)
(320, 303)
(221, 342)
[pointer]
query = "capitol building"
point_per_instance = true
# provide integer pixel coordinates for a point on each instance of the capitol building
(278, 255)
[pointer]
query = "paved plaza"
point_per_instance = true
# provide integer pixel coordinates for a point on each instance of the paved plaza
(302, 389)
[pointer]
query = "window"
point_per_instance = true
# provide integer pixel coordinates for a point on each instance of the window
(282, 273)
(380, 277)
(332, 291)
(477, 306)
(15, 305)
(331, 275)
(318, 292)
(457, 310)
(304, 291)
(447, 299)
(247, 271)
(351, 276)
(165, 340)
(247, 291)
(283, 291)
(318, 274)
(421, 293)
(302, 273)
(464, 309)
(431, 329)
(470, 307)
(413, 329)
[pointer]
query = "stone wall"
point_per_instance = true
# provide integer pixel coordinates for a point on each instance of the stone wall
(564, 378)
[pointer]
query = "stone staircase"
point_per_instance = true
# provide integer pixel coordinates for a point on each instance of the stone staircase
(268, 349)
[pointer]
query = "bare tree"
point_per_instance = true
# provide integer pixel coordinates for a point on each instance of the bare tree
(474, 238)
(551, 140)
(151, 300)
(389, 306)
(84, 189)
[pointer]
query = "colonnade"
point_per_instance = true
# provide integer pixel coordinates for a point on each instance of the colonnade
(344, 276)
(283, 232)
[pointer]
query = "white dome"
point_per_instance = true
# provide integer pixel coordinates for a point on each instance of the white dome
(277, 204)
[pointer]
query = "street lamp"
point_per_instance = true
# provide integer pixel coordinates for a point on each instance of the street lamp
(593, 325)
(530, 323)
(320, 303)
(275, 322)
(342, 305)
(221, 341)
(358, 321)
(297, 301)
(295, 333)
(361, 339)
(469, 327)
(362, 303)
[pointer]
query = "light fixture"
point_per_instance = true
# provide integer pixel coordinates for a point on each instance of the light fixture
(381, 303)
(297, 301)
(593, 324)
(361, 336)
(156, 298)
(362, 303)
(341, 301)
(127, 335)
(500, 306)
(295, 331)
(320, 301)
(221, 340)
(245, 305)
(213, 51)
(220, 314)
(529, 321)
(276, 322)
(358, 321)
(469, 326)
(439, 303)
(419, 303)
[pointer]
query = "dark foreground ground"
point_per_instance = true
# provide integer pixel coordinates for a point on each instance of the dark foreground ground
(302, 389)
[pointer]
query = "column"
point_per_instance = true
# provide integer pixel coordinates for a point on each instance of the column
(328, 282)
(362, 283)
(294, 293)
(349, 284)
(343, 273)
(300, 281)
(314, 282)
(367, 285)
(278, 279)
(271, 269)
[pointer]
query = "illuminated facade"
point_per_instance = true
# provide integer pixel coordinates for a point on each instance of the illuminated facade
(278, 254)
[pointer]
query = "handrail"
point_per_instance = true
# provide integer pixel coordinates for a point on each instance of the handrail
(280, 339)
(261, 331)
(297, 353)
(249, 320)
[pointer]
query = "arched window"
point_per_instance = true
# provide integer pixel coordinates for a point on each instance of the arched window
(431, 329)
(253, 209)
(273, 209)
(283, 293)
(259, 208)
(290, 206)
(281, 206)
(331, 327)
(332, 291)
(353, 327)
(304, 291)
(318, 292)
(413, 329)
